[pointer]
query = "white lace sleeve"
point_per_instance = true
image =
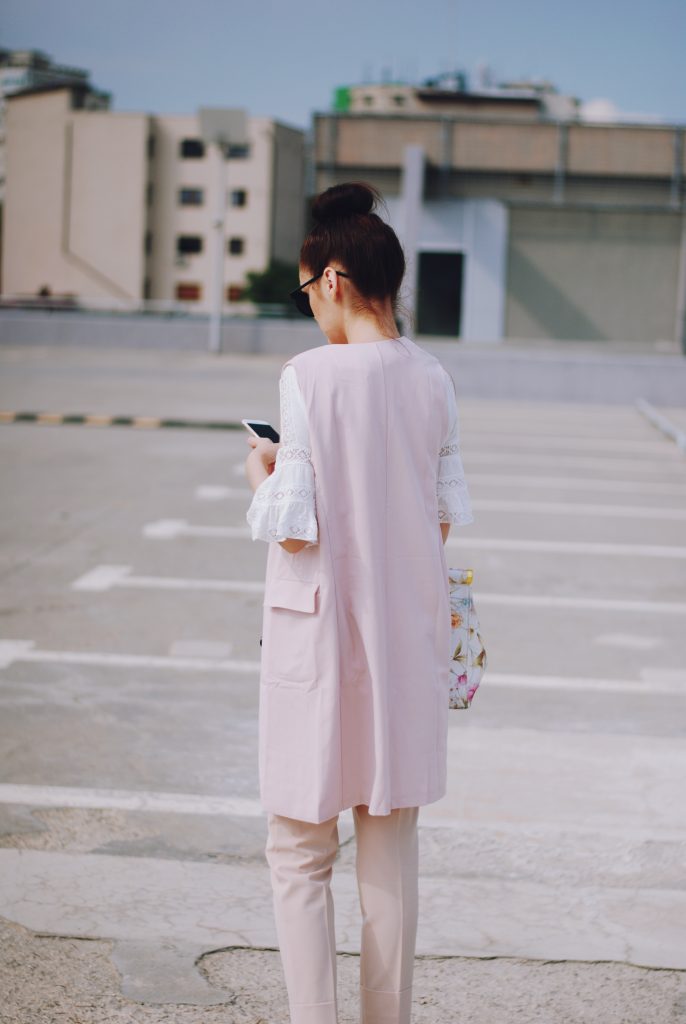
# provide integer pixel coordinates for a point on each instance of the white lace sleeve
(454, 503)
(283, 505)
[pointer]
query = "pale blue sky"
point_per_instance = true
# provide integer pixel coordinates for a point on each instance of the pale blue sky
(284, 59)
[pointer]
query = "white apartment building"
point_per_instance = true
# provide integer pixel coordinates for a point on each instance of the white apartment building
(115, 208)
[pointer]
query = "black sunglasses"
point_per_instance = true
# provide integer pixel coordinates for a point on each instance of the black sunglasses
(302, 300)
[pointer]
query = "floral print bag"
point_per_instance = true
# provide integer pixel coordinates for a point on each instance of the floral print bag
(468, 660)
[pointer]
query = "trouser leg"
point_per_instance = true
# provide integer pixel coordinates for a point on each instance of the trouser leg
(300, 855)
(387, 876)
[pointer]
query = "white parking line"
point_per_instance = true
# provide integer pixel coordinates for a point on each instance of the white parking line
(168, 529)
(604, 604)
(129, 800)
(217, 492)
(560, 460)
(567, 483)
(566, 547)
(574, 508)
(203, 803)
(555, 460)
(653, 683)
(676, 685)
(24, 650)
(104, 577)
(555, 442)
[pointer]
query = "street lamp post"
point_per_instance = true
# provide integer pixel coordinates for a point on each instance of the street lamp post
(220, 127)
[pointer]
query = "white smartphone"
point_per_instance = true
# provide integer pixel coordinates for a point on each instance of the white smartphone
(261, 428)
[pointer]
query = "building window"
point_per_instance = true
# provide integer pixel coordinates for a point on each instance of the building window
(147, 288)
(235, 292)
(151, 146)
(237, 152)
(236, 246)
(148, 243)
(188, 243)
(368, 101)
(150, 191)
(399, 100)
(239, 197)
(190, 197)
(188, 292)
(191, 149)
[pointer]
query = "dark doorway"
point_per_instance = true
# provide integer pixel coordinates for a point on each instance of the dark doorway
(439, 293)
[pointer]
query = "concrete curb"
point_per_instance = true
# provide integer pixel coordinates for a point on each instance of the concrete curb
(103, 420)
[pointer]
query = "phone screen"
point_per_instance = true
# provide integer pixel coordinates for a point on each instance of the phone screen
(264, 430)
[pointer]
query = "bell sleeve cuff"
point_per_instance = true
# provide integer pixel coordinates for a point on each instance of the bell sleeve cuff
(283, 506)
(454, 502)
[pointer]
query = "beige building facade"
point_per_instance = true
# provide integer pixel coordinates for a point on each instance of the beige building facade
(519, 219)
(116, 209)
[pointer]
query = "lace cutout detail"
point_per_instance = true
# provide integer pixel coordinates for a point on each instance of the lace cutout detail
(293, 454)
(454, 502)
(282, 494)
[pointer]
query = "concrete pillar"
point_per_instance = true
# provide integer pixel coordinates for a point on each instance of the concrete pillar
(411, 200)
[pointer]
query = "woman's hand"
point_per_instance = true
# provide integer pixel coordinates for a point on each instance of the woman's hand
(263, 451)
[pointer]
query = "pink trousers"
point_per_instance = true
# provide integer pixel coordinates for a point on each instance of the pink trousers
(300, 857)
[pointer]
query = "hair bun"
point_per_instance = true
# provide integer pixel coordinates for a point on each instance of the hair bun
(344, 200)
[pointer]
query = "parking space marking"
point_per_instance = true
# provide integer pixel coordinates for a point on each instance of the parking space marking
(204, 803)
(129, 800)
(573, 483)
(628, 641)
(578, 508)
(557, 442)
(218, 492)
(653, 682)
(604, 604)
(673, 686)
(25, 650)
(104, 577)
(567, 547)
(168, 529)
(561, 460)
(555, 460)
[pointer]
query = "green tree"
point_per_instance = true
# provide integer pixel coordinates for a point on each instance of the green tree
(273, 284)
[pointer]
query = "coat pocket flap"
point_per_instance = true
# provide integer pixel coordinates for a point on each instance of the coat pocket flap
(297, 594)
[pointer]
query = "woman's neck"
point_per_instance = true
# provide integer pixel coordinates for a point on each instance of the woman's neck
(359, 330)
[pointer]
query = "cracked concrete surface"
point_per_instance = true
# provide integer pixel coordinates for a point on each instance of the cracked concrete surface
(48, 980)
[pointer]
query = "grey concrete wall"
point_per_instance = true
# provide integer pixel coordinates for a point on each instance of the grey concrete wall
(572, 372)
(598, 275)
(239, 334)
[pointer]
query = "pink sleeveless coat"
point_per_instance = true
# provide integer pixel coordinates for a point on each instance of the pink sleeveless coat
(356, 629)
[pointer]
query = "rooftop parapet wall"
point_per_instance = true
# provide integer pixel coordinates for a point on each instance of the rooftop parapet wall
(377, 140)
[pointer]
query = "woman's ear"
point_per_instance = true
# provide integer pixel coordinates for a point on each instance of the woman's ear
(330, 282)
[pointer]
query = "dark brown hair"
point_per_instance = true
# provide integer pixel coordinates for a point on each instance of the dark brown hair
(346, 230)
